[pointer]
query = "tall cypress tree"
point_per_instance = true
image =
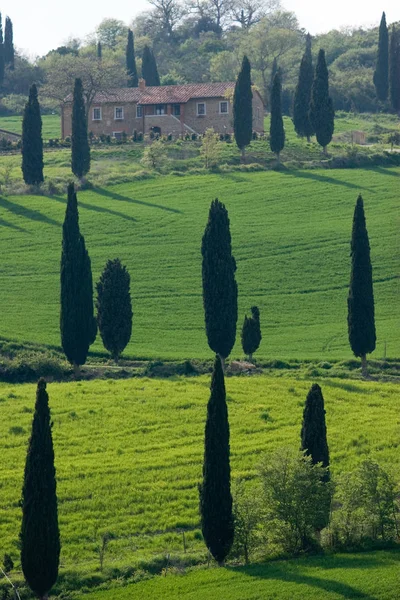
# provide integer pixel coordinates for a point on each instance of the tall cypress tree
(276, 130)
(322, 115)
(313, 431)
(215, 491)
(40, 537)
(302, 96)
(77, 324)
(80, 149)
(274, 70)
(99, 50)
(149, 67)
(219, 284)
(361, 311)
(251, 332)
(2, 57)
(394, 69)
(114, 307)
(243, 107)
(9, 44)
(381, 74)
(131, 70)
(32, 143)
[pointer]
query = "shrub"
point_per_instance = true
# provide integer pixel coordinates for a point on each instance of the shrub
(155, 156)
(211, 148)
(247, 519)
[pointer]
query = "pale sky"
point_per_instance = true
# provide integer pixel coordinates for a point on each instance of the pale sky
(45, 24)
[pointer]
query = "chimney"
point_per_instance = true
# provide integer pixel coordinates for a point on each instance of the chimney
(142, 85)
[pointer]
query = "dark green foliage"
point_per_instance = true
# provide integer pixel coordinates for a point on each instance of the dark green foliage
(251, 332)
(114, 307)
(80, 149)
(8, 44)
(77, 323)
(219, 284)
(40, 537)
(274, 70)
(2, 57)
(243, 107)
(8, 563)
(276, 130)
(131, 70)
(149, 67)
(302, 97)
(215, 491)
(99, 50)
(361, 313)
(322, 115)
(313, 429)
(394, 69)
(381, 74)
(32, 143)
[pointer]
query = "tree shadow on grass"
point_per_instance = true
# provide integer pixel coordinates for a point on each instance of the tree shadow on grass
(115, 196)
(383, 171)
(95, 208)
(324, 179)
(4, 223)
(27, 213)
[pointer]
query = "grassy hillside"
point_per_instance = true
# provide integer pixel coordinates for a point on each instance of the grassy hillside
(372, 576)
(129, 456)
(51, 125)
(290, 233)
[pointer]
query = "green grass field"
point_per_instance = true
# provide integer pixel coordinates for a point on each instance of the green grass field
(290, 234)
(129, 455)
(371, 576)
(51, 125)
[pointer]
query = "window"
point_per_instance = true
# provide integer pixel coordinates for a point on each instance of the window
(160, 109)
(201, 109)
(96, 114)
(118, 113)
(176, 110)
(223, 107)
(118, 135)
(139, 111)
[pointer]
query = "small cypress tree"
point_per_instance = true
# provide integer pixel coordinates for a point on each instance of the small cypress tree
(8, 44)
(99, 50)
(32, 143)
(322, 115)
(40, 537)
(302, 97)
(243, 108)
(361, 311)
(2, 57)
(219, 284)
(114, 307)
(131, 70)
(394, 69)
(77, 323)
(80, 149)
(274, 70)
(276, 131)
(149, 67)
(251, 332)
(215, 490)
(313, 431)
(381, 74)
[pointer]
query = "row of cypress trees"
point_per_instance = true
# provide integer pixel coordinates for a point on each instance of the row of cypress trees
(387, 70)
(149, 65)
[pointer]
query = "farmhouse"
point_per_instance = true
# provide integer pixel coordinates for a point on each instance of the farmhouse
(170, 109)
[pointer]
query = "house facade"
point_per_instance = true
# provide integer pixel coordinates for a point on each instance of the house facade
(171, 109)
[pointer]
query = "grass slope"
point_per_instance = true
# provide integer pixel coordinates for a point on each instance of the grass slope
(129, 455)
(372, 576)
(51, 125)
(290, 232)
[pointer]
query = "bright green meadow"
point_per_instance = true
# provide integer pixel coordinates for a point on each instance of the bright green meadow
(291, 239)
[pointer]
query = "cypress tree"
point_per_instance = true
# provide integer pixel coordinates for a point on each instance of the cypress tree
(302, 96)
(40, 537)
(99, 50)
(276, 131)
(80, 149)
(394, 69)
(251, 332)
(219, 284)
(322, 115)
(8, 44)
(149, 67)
(2, 57)
(131, 70)
(381, 74)
(243, 107)
(77, 323)
(114, 307)
(215, 491)
(361, 312)
(32, 143)
(313, 430)
(274, 70)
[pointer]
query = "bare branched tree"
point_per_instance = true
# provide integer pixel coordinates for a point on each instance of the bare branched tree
(168, 13)
(250, 12)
